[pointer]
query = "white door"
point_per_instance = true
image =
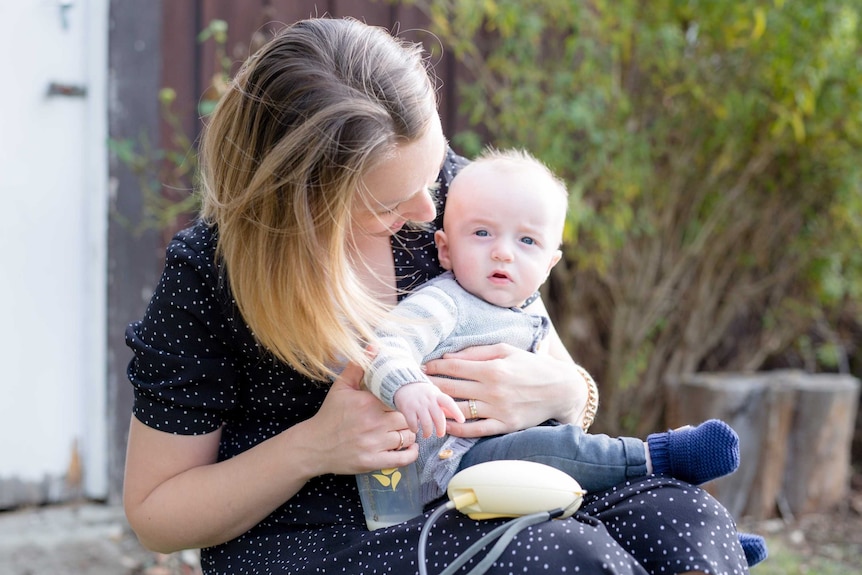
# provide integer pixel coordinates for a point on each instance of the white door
(53, 181)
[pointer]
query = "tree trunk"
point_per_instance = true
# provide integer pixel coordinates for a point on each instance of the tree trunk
(795, 434)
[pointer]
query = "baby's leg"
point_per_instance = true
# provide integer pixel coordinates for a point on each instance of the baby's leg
(596, 462)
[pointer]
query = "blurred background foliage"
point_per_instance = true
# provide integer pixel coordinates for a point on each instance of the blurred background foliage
(712, 150)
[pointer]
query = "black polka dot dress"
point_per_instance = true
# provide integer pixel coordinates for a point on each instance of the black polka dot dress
(197, 367)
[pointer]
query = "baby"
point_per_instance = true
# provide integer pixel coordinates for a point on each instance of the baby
(501, 236)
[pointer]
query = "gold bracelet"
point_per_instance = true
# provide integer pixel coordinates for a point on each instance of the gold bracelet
(592, 398)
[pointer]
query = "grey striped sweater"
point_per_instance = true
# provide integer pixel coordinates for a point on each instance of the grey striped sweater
(441, 317)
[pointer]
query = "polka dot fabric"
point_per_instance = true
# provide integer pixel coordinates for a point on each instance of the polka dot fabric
(669, 526)
(197, 367)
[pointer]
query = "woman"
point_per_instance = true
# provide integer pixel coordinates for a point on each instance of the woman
(322, 151)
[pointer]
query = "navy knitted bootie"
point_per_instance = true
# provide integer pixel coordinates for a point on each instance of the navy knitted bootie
(754, 547)
(695, 454)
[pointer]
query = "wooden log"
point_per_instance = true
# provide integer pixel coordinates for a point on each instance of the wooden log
(745, 403)
(817, 475)
(788, 453)
(775, 424)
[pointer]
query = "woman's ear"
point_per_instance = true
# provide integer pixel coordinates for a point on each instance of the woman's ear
(443, 249)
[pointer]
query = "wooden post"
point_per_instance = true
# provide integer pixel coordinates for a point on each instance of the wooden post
(743, 402)
(134, 259)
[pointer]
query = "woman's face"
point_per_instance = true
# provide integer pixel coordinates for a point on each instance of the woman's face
(397, 189)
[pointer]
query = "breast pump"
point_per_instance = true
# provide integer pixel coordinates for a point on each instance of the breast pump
(527, 491)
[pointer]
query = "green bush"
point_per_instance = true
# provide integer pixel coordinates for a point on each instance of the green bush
(712, 151)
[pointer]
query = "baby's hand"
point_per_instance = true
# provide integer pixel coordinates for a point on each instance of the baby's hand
(424, 406)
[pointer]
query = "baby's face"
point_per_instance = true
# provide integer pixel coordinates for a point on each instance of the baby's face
(502, 233)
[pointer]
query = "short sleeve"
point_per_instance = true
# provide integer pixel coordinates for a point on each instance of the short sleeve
(182, 371)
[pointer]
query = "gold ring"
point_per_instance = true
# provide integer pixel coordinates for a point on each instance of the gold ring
(400, 440)
(474, 413)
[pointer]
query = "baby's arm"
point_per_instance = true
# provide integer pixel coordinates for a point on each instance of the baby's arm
(413, 330)
(418, 325)
(424, 406)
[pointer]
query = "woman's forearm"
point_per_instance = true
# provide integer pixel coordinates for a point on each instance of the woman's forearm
(566, 394)
(178, 497)
(207, 503)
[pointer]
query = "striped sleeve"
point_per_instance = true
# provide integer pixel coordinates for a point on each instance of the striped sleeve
(412, 331)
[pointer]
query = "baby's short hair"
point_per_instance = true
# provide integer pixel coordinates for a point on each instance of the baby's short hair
(517, 159)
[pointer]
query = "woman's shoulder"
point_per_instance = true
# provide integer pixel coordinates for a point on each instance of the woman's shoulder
(195, 246)
(452, 165)
(200, 237)
(191, 263)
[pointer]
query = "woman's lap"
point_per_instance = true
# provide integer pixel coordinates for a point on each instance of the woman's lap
(670, 526)
(656, 525)
(581, 545)
(569, 546)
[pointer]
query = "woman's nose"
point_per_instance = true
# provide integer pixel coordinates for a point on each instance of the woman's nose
(420, 208)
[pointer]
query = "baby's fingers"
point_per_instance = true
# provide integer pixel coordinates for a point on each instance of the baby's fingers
(432, 420)
(450, 408)
(439, 423)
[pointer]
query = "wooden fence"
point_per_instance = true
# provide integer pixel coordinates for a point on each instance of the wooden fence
(188, 65)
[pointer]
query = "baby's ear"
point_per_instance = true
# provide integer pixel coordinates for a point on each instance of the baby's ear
(443, 249)
(554, 259)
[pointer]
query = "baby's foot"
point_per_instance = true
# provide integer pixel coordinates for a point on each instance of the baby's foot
(754, 547)
(695, 454)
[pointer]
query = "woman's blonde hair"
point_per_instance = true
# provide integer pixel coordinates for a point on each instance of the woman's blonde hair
(283, 156)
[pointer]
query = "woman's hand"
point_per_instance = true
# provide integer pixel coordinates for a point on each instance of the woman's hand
(511, 389)
(353, 432)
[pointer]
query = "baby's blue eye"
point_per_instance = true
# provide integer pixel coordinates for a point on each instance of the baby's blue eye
(482, 233)
(528, 241)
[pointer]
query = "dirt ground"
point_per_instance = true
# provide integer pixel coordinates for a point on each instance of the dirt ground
(835, 536)
(82, 538)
